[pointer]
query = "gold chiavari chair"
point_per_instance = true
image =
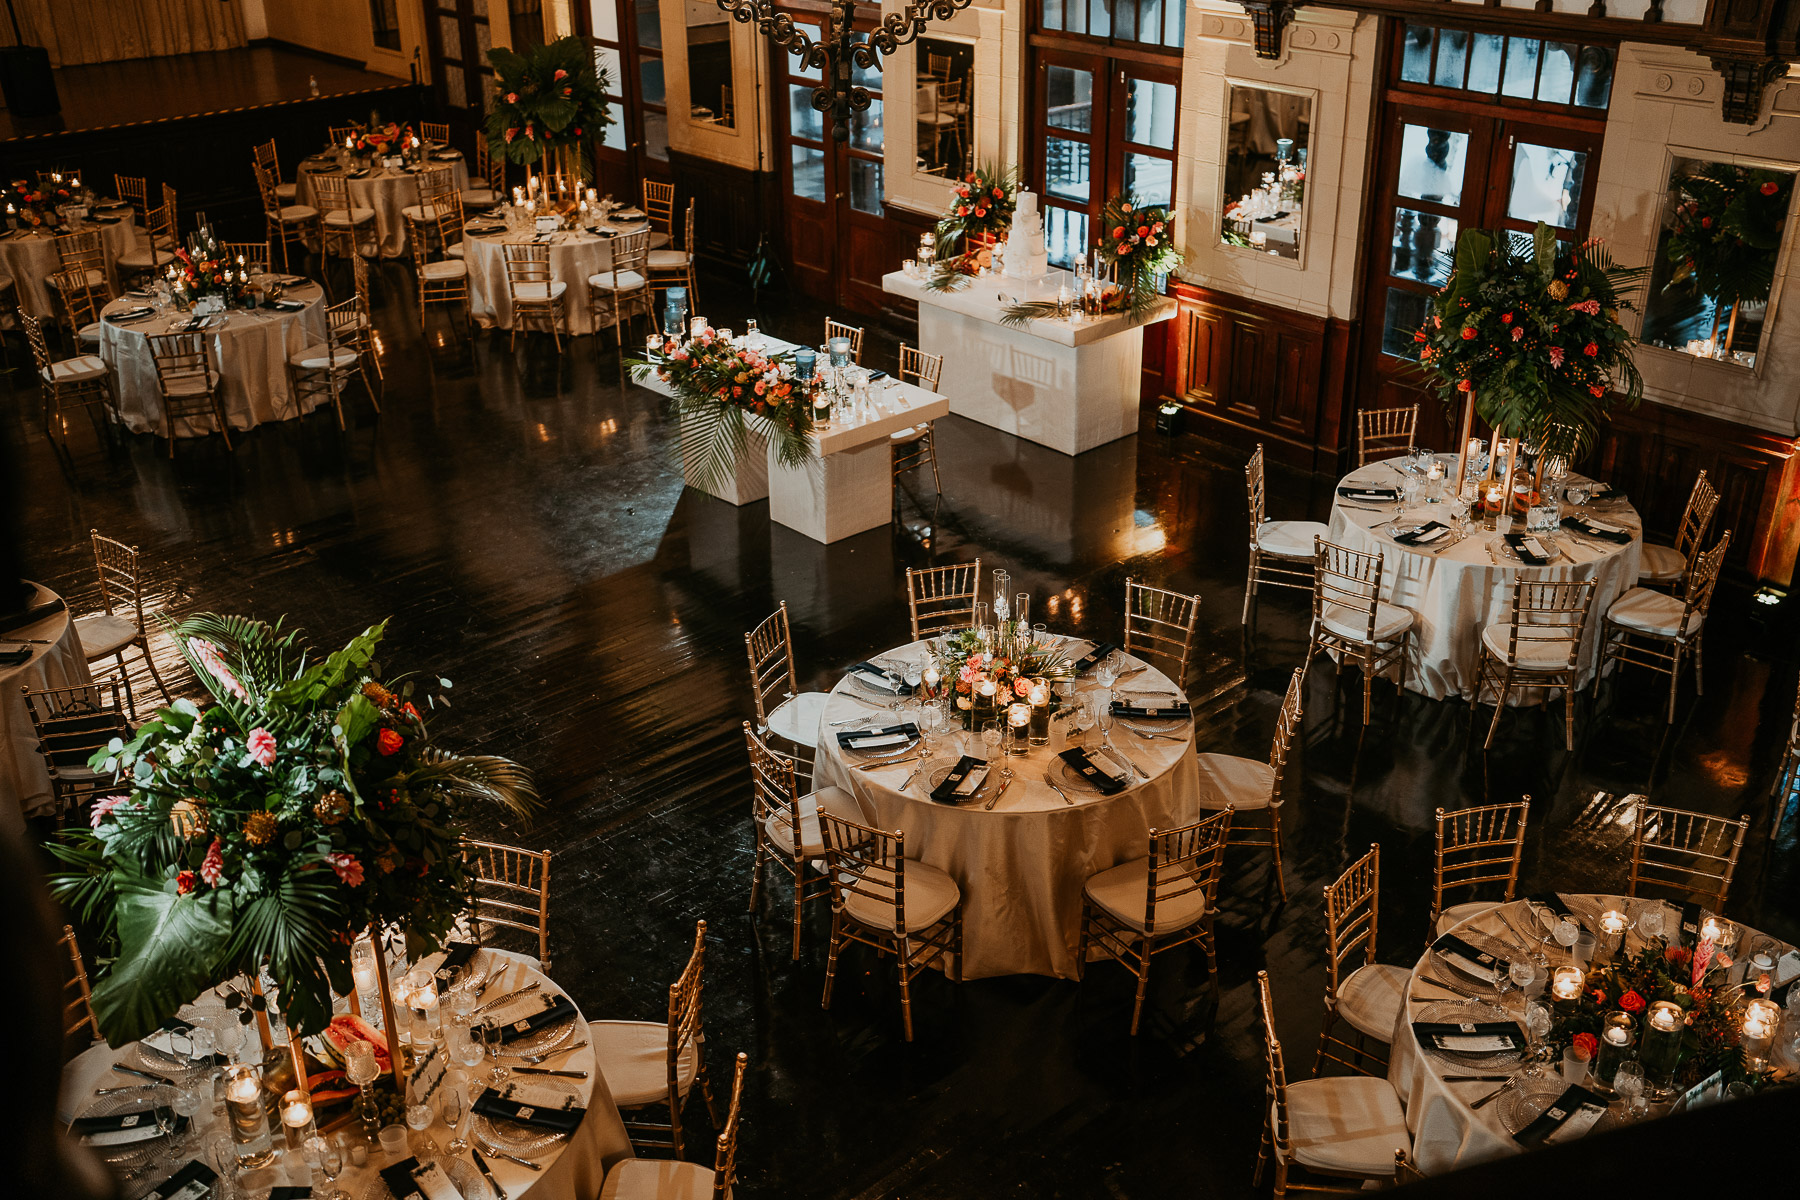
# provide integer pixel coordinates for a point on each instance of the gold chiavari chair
(942, 599)
(450, 226)
(269, 159)
(1350, 617)
(487, 186)
(82, 258)
(1659, 631)
(617, 295)
(1138, 909)
(1685, 855)
(435, 132)
(535, 295)
(1253, 787)
(84, 381)
(157, 250)
(120, 623)
(170, 203)
(648, 1064)
(659, 207)
(672, 267)
(78, 1002)
(1405, 1170)
(1281, 552)
(80, 308)
(70, 177)
(782, 709)
(659, 1179)
(337, 135)
(837, 329)
(786, 825)
(883, 900)
(1160, 624)
(510, 889)
(325, 367)
(1475, 846)
(1366, 995)
(443, 280)
(916, 446)
(1667, 566)
(437, 194)
(1787, 776)
(251, 255)
(188, 383)
(70, 724)
(346, 228)
(1381, 432)
(365, 324)
(9, 308)
(134, 189)
(1335, 1126)
(288, 224)
(920, 368)
(1537, 646)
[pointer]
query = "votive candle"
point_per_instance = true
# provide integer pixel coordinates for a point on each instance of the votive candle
(297, 1118)
(1565, 983)
(1435, 471)
(696, 326)
(1760, 1019)
(249, 1119)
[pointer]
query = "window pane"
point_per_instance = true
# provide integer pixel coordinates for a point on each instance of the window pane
(1419, 238)
(1415, 55)
(804, 121)
(606, 62)
(1065, 236)
(1151, 111)
(1484, 62)
(614, 138)
(1150, 179)
(1521, 67)
(1075, 16)
(1053, 14)
(650, 80)
(1405, 313)
(1546, 184)
(450, 31)
(1593, 86)
(809, 173)
(865, 128)
(1099, 18)
(605, 14)
(1453, 49)
(796, 66)
(865, 186)
(649, 24)
(1124, 17)
(1071, 100)
(1431, 164)
(1557, 75)
(1150, 19)
(656, 135)
(1066, 168)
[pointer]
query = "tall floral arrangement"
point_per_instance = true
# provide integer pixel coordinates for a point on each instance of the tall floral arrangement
(547, 101)
(980, 212)
(1727, 229)
(264, 831)
(1532, 331)
(1138, 242)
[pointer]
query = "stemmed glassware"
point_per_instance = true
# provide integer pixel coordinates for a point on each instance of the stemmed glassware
(1084, 720)
(361, 1069)
(418, 1119)
(188, 1102)
(1628, 1082)
(1566, 933)
(452, 1113)
(328, 1156)
(492, 1037)
(1650, 922)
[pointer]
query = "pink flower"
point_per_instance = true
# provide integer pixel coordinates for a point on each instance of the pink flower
(1589, 306)
(261, 745)
(560, 74)
(1022, 686)
(215, 666)
(213, 865)
(511, 134)
(103, 808)
(347, 868)
(1556, 356)
(1517, 333)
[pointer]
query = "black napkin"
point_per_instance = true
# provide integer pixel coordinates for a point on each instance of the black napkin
(456, 957)
(399, 1179)
(888, 681)
(1450, 944)
(1577, 1108)
(559, 1010)
(945, 792)
(287, 305)
(1369, 493)
(1420, 536)
(1623, 537)
(1087, 661)
(1604, 491)
(848, 738)
(195, 1182)
(1078, 760)
(1442, 1035)
(874, 375)
(1517, 542)
(15, 657)
(492, 1104)
(1171, 709)
(142, 1118)
(94, 219)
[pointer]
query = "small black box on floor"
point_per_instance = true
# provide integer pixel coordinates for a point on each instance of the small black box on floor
(26, 79)
(1169, 418)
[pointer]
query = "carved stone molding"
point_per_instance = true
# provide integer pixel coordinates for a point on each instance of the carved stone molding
(1746, 79)
(1270, 17)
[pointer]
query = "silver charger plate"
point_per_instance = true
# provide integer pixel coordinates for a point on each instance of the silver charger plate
(131, 1155)
(1471, 1010)
(882, 753)
(541, 1040)
(934, 779)
(463, 1175)
(1526, 1098)
(1071, 778)
(868, 688)
(1152, 724)
(1480, 941)
(525, 1140)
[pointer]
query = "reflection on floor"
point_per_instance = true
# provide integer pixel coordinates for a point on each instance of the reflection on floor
(518, 517)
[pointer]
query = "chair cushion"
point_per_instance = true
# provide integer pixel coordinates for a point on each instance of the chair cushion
(319, 356)
(1661, 564)
(1645, 611)
(352, 216)
(455, 250)
(1121, 890)
(145, 257)
(1534, 654)
(298, 212)
(1370, 999)
(92, 279)
(1290, 539)
(535, 291)
(445, 268)
(616, 281)
(910, 434)
(1456, 914)
(89, 333)
(797, 718)
(75, 370)
(285, 191)
(657, 1179)
(669, 260)
(930, 896)
(1350, 1124)
(634, 1057)
(834, 800)
(1390, 621)
(104, 633)
(1243, 783)
(480, 197)
(421, 212)
(658, 239)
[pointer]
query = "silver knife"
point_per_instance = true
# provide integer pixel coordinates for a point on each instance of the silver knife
(162, 1079)
(481, 1165)
(548, 1071)
(530, 987)
(893, 762)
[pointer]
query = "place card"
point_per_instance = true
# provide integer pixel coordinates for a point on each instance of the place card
(876, 739)
(121, 1129)
(1531, 552)
(1169, 710)
(1469, 1037)
(432, 1181)
(1571, 1115)
(193, 1182)
(1098, 772)
(963, 781)
(1469, 959)
(529, 1106)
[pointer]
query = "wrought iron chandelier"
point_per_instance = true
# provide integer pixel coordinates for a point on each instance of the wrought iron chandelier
(838, 57)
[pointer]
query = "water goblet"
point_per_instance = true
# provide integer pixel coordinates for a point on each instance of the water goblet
(991, 734)
(361, 1069)
(418, 1119)
(202, 1040)
(1522, 972)
(187, 1103)
(915, 671)
(1578, 493)
(1628, 1083)
(491, 1037)
(1650, 922)
(1566, 934)
(1084, 720)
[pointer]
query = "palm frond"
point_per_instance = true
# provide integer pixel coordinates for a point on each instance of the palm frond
(713, 438)
(480, 777)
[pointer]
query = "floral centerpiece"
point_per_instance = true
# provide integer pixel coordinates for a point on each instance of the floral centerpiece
(1137, 246)
(1726, 232)
(33, 205)
(723, 385)
(980, 213)
(1010, 657)
(383, 139)
(547, 102)
(201, 268)
(266, 830)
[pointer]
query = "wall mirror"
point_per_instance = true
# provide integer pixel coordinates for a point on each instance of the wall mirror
(946, 107)
(1717, 252)
(1264, 198)
(710, 96)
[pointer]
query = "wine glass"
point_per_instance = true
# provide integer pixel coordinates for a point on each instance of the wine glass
(1084, 720)
(990, 738)
(418, 1119)
(452, 1112)
(491, 1037)
(915, 671)
(331, 1163)
(1650, 922)
(1106, 672)
(361, 1069)
(202, 1039)
(1523, 972)
(188, 1102)
(1566, 931)
(931, 723)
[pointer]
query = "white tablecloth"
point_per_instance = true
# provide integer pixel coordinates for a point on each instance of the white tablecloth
(386, 190)
(1459, 592)
(1021, 866)
(251, 352)
(31, 259)
(58, 663)
(574, 255)
(572, 1171)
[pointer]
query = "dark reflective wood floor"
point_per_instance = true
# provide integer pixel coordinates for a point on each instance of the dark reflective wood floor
(518, 517)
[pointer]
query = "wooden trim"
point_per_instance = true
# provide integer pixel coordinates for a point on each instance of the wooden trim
(1522, 22)
(342, 60)
(1445, 100)
(1080, 43)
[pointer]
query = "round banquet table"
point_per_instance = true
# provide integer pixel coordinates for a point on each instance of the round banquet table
(250, 349)
(1021, 865)
(1447, 1131)
(56, 661)
(386, 190)
(573, 1170)
(1459, 591)
(574, 255)
(31, 258)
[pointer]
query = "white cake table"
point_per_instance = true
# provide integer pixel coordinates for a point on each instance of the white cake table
(1068, 387)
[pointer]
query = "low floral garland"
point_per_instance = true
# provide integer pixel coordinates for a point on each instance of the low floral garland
(1138, 243)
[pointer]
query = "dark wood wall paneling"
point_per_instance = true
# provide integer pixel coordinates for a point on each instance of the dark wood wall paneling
(736, 205)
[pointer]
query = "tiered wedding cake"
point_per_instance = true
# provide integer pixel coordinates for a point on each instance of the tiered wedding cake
(1025, 256)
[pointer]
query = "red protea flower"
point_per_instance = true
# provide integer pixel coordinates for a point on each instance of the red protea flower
(1468, 333)
(388, 742)
(1769, 188)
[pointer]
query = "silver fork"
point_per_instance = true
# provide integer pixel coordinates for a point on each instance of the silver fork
(1173, 737)
(499, 1153)
(1057, 789)
(548, 1054)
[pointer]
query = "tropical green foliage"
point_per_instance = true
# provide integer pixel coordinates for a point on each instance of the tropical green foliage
(548, 98)
(1727, 231)
(1138, 243)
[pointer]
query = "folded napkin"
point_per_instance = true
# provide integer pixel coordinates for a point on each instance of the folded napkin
(456, 957)
(1598, 529)
(964, 779)
(1424, 535)
(130, 314)
(13, 654)
(1086, 662)
(97, 219)
(107, 205)
(874, 375)
(121, 1129)
(31, 616)
(559, 1010)
(1469, 1037)
(1573, 1114)
(1369, 493)
(527, 1106)
(1099, 772)
(1531, 552)
(138, 294)
(878, 677)
(194, 1182)
(171, 1039)
(408, 1180)
(1604, 491)
(286, 305)
(878, 739)
(1469, 959)
(1151, 708)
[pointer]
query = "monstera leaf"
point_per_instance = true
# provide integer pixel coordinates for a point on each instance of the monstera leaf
(168, 947)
